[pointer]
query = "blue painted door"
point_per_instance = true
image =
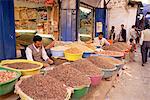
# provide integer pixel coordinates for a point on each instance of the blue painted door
(100, 16)
(68, 20)
(7, 30)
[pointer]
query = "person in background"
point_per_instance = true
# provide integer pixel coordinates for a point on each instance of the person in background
(133, 33)
(112, 33)
(145, 44)
(122, 35)
(48, 48)
(132, 50)
(36, 52)
(100, 41)
(138, 32)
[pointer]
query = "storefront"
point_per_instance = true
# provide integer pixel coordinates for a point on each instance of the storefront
(24, 19)
(86, 19)
(35, 17)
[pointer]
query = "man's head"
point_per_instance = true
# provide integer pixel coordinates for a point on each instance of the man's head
(133, 26)
(37, 41)
(113, 27)
(122, 26)
(100, 36)
(131, 40)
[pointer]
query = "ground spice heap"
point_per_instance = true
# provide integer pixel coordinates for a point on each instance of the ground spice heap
(69, 76)
(22, 65)
(43, 87)
(86, 67)
(101, 63)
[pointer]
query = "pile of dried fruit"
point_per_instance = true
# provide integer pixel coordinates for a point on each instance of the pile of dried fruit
(22, 65)
(110, 53)
(101, 62)
(112, 48)
(86, 67)
(43, 87)
(6, 76)
(111, 60)
(118, 46)
(73, 51)
(83, 47)
(122, 46)
(69, 76)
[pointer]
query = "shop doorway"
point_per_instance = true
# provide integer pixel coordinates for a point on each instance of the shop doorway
(86, 21)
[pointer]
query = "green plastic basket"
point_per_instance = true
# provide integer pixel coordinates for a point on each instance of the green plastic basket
(8, 86)
(78, 93)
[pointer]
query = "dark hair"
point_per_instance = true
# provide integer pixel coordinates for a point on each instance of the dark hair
(113, 27)
(122, 24)
(101, 33)
(37, 38)
(131, 40)
(133, 26)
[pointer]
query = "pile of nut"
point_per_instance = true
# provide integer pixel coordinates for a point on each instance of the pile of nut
(69, 76)
(6, 76)
(22, 65)
(43, 87)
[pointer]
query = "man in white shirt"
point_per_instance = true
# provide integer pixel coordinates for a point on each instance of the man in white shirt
(100, 41)
(36, 52)
(145, 44)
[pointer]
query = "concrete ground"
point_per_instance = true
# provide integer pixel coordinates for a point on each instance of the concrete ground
(134, 83)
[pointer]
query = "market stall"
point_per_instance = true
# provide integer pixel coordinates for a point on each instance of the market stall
(36, 17)
(78, 66)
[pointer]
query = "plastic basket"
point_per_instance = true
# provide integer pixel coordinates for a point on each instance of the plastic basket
(95, 80)
(57, 54)
(87, 54)
(73, 57)
(8, 86)
(24, 72)
(24, 96)
(109, 72)
(80, 92)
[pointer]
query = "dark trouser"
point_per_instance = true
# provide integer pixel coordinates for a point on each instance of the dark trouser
(137, 40)
(144, 50)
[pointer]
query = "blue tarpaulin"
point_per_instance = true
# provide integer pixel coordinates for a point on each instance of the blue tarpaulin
(7, 30)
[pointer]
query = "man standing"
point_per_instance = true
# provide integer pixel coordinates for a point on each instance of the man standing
(122, 35)
(112, 33)
(145, 44)
(36, 52)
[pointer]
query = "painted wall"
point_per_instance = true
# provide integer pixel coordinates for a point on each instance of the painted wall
(118, 16)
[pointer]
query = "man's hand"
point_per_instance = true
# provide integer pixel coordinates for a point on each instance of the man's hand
(45, 65)
(50, 61)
